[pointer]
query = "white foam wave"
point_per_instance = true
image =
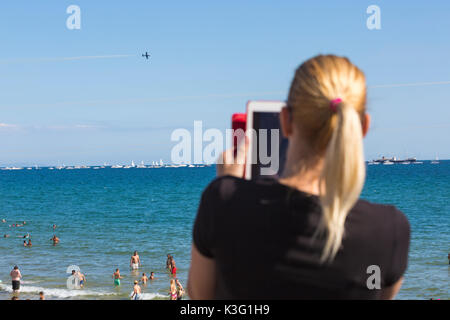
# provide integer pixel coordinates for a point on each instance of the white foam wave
(57, 292)
(152, 296)
(28, 282)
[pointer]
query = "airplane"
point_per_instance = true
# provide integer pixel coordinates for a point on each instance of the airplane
(146, 55)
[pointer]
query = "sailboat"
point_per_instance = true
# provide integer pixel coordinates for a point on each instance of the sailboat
(436, 161)
(142, 165)
(130, 166)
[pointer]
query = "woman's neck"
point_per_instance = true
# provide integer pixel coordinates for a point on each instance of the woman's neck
(301, 172)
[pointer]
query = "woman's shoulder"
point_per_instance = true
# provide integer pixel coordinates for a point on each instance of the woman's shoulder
(227, 188)
(381, 214)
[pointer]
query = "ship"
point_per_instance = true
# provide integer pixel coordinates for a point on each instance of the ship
(393, 160)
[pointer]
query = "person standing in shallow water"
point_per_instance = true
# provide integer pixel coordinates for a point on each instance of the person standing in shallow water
(144, 278)
(116, 276)
(173, 267)
(180, 290)
(135, 261)
(15, 279)
(173, 290)
(168, 263)
(136, 291)
(81, 278)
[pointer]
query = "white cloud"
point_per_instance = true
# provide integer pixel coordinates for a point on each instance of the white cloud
(7, 126)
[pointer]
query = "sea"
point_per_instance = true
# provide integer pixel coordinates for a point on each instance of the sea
(103, 215)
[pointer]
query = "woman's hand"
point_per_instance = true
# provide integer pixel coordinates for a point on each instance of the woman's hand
(231, 165)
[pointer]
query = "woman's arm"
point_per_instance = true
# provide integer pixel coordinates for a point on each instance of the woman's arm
(202, 276)
(390, 292)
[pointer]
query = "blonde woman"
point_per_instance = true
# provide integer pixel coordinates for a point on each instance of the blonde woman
(173, 290)
(308, 230)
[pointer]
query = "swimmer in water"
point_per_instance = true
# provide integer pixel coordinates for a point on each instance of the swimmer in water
(117, 277)
(4, 220)
(144, 278)
(55, 240)
(29, 243)
(135, 262)
(41, 295)
(6, 236)
(54, 226)
(152, 275)
(24, 243)
(136, 291)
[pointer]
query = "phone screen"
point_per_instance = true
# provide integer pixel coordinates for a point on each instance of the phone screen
(266, 126)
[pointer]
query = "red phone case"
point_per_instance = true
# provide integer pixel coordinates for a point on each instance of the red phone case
(238, 121)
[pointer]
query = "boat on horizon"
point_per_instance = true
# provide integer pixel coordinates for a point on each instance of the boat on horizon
(435, 161)
(142, 165)
(393, 160)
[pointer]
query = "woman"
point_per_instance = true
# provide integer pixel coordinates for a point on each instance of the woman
(180, 290)
(173, 290)
(308, 230)
(173, 267)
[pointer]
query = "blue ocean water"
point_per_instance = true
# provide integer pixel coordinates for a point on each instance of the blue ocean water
(104, 215)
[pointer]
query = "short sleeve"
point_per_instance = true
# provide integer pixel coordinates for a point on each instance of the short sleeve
(203, 231)
(399, 260)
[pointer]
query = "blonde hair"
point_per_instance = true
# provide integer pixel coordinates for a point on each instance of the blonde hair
(332, 129)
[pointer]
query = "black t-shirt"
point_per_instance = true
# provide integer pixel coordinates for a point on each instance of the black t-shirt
(261, 235)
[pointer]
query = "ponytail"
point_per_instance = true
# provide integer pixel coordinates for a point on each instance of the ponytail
(342, 178)
(332, 128)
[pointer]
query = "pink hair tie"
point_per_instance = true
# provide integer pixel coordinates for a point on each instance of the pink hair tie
(334, 104)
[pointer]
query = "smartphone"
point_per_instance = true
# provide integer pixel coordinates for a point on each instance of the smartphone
(267, 147)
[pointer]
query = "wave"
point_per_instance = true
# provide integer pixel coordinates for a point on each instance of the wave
(61, 293)
(28, 282)
(57, 292)
(153, 296)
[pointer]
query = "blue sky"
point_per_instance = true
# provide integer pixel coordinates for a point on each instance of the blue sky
(208, 58)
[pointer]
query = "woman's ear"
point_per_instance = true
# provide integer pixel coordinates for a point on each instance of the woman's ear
(286, 121)
(366, 124)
